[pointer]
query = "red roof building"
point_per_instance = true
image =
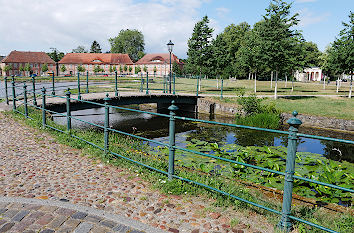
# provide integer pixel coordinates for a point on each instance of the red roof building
(17, 59)
(91, 60)
(159, 62)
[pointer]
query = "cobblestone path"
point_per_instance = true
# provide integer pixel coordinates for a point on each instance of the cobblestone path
(33, 165)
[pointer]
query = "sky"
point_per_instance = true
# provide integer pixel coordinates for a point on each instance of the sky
(38, 25)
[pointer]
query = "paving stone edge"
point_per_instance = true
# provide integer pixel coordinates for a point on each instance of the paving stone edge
(100, 213)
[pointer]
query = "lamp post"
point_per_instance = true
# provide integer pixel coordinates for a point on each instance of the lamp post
(170, 47)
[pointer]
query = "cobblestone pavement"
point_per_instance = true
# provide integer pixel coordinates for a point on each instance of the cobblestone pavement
(30, 215)
(34, 165)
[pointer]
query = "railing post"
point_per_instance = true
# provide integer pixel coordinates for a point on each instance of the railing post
(116, 83)
(106, 125)
(87, 84)
(53, 85)
(174, 84)
(6, 94)
(285, 222)
(197, 85)
(68, 111)
(43, 108)
(171, 158)
(147, 83)
(34, 90)
(78, 85)
(222, 86)
(25, 99)
(164, 84)
(13, 96)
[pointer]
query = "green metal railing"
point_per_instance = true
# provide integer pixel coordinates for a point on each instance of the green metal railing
(293, 136)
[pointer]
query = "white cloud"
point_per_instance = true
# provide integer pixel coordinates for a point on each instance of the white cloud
(221, 11)
(308, 17)
(37, 25)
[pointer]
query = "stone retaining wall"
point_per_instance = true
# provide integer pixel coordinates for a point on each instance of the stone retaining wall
(207, 106)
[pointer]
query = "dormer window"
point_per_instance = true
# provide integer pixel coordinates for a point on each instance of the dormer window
(96, 60)
(156, 61)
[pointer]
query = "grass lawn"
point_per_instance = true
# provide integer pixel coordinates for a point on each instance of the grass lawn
(338, 107)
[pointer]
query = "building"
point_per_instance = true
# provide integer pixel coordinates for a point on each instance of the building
(17, 60)
(105, 61)
(309, 74)
(160, 61)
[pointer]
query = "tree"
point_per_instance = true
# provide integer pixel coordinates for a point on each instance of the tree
(97, 69)
(137, 69)
(155, 70)
(125, 68)
(80, 49)
(276, 37)
(7, 68)
(312, 54)
(114, 68)
(199, 46)
(111, 69)
(341, 56)
(21, 68)
(130, 42)
(130, 69)
(80, 68)
(95, 47)
(55, 54)
(120, 69)
(220, 57)
(63, 68)
(145, 69)
(45, 67)
(176, 68)
(28, 68)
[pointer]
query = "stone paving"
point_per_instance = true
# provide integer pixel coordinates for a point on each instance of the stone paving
(30, 216)
(33, 165)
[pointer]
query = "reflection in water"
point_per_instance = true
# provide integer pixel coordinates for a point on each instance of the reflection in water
(156, 127)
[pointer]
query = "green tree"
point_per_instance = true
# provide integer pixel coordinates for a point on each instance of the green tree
(276, 37)
(63, 68)
(95, 47)
(45, 67)
(176, 68)
(28, 68)
(97, 69)
(312, 54)
(220, 57)
(80, 68)
(114, 68)
(125, 68)
(155, 70)
(7, 68)
(80, 49)
(21, 69)
(137, 69)
(341, 56)
(111, 69)
(199, 46)
(145, 69)
(130, 69)
(55, 54)
(130, 42)
(120, 69)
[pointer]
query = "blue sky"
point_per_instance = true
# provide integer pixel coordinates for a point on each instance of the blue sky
(66, 24)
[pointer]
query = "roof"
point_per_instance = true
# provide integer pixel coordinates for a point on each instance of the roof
(28, 57)
(96, 58)
(1, 57)
(158, 58)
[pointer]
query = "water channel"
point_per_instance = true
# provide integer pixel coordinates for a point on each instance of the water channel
(155, 127)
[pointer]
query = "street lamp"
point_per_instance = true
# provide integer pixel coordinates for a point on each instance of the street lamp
(170, 47)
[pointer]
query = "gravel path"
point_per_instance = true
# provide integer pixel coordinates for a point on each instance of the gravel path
(34, 165)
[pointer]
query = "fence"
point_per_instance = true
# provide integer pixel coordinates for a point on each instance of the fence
(293, 136)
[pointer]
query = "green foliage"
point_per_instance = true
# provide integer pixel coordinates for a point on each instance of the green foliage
(80, 49)
(145, 68)
(45, 67)
(155, 70)
(114, 68)
(110, 69)
(199, 45)
(176, 68)
(97, 69)
(130, 69)
(137, 69)
(7, 68)
(80, 68)
(95, 47)
(55, 54)
(125, 68)
(21, 68)
(130, 42)
(27, 67)
(120, 68)
(62, 68)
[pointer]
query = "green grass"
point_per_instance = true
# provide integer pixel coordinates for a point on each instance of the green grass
(262, 120)
(134, 149)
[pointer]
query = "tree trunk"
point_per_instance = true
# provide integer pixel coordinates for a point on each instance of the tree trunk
(200, 79)
(337, 85)
(249, 75)
(351, 85)
(324, 82)
(255, 82)
(271, 80)
(276, 85)
(286, 80)
(292, 82)
(217, 83)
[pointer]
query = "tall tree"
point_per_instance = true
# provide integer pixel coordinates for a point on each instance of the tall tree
(277, 37)
(55, 54)
(199, 46)
(130, 42)
(45, 67)
(80, 49)
(312, 54)
(220, 57)
(95, 47)
(341, 56)
(63, 68)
